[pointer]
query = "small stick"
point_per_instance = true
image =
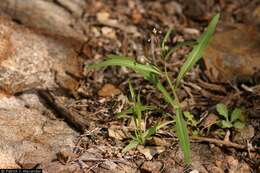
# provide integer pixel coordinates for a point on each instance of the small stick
(225, 143)
(72, 119)
(103, 160)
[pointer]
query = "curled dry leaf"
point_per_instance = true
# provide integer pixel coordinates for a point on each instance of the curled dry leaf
(149, 152)
(118, 132)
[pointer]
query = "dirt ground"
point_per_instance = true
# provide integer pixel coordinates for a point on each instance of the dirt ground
(59, 116)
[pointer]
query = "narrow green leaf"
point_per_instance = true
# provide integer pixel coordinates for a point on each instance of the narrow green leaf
(166, 37)
(181, 127)
(114, 60)
(152, 130)
(175, 100)
(167, 97)
(138, 111)
(197, 51)
(125, 113)
(159, 126)
(132, 92)
(149, 132)
(222, 110)
(132, 144)
(183, 136)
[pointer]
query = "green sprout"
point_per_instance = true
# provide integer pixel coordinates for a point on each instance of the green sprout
(140, 135)
(230, 119)
(192, 122)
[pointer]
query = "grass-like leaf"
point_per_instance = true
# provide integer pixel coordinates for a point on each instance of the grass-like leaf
(183, 136)
(132, 92)
(166, 95)
(197, 51)
(166, 37)
(152, 130)
(181, 127)
(138, 112)
(131, 110)
(132, 144)
(114, 60)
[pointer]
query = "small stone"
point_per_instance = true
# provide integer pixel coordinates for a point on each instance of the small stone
(103, 16)
(108, 90)
(151, 166)
(108, 32)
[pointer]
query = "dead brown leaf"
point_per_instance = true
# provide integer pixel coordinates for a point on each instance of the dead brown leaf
(108, 90)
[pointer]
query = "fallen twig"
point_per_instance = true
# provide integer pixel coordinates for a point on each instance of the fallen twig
(104, 160)
(225, 143)
(72, 119)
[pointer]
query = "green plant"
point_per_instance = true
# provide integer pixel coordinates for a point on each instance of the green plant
(153, 74)
(192, 122)
(141, 134)
(231, 119)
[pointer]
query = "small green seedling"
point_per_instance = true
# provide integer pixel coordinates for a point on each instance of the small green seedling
(141, 134)
(231, 119)
(192, 122)
(190, 119)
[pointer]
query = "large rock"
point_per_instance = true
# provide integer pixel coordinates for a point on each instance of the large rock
(33, 60)
(233, 54)
(27, 136)
(52, 16)
(29, 61)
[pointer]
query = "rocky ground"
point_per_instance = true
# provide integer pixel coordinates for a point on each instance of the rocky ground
(58, 116)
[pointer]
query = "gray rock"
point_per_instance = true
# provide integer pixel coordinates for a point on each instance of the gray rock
(27, 136)
(45, 15)
(29, 61)
(33, 60)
